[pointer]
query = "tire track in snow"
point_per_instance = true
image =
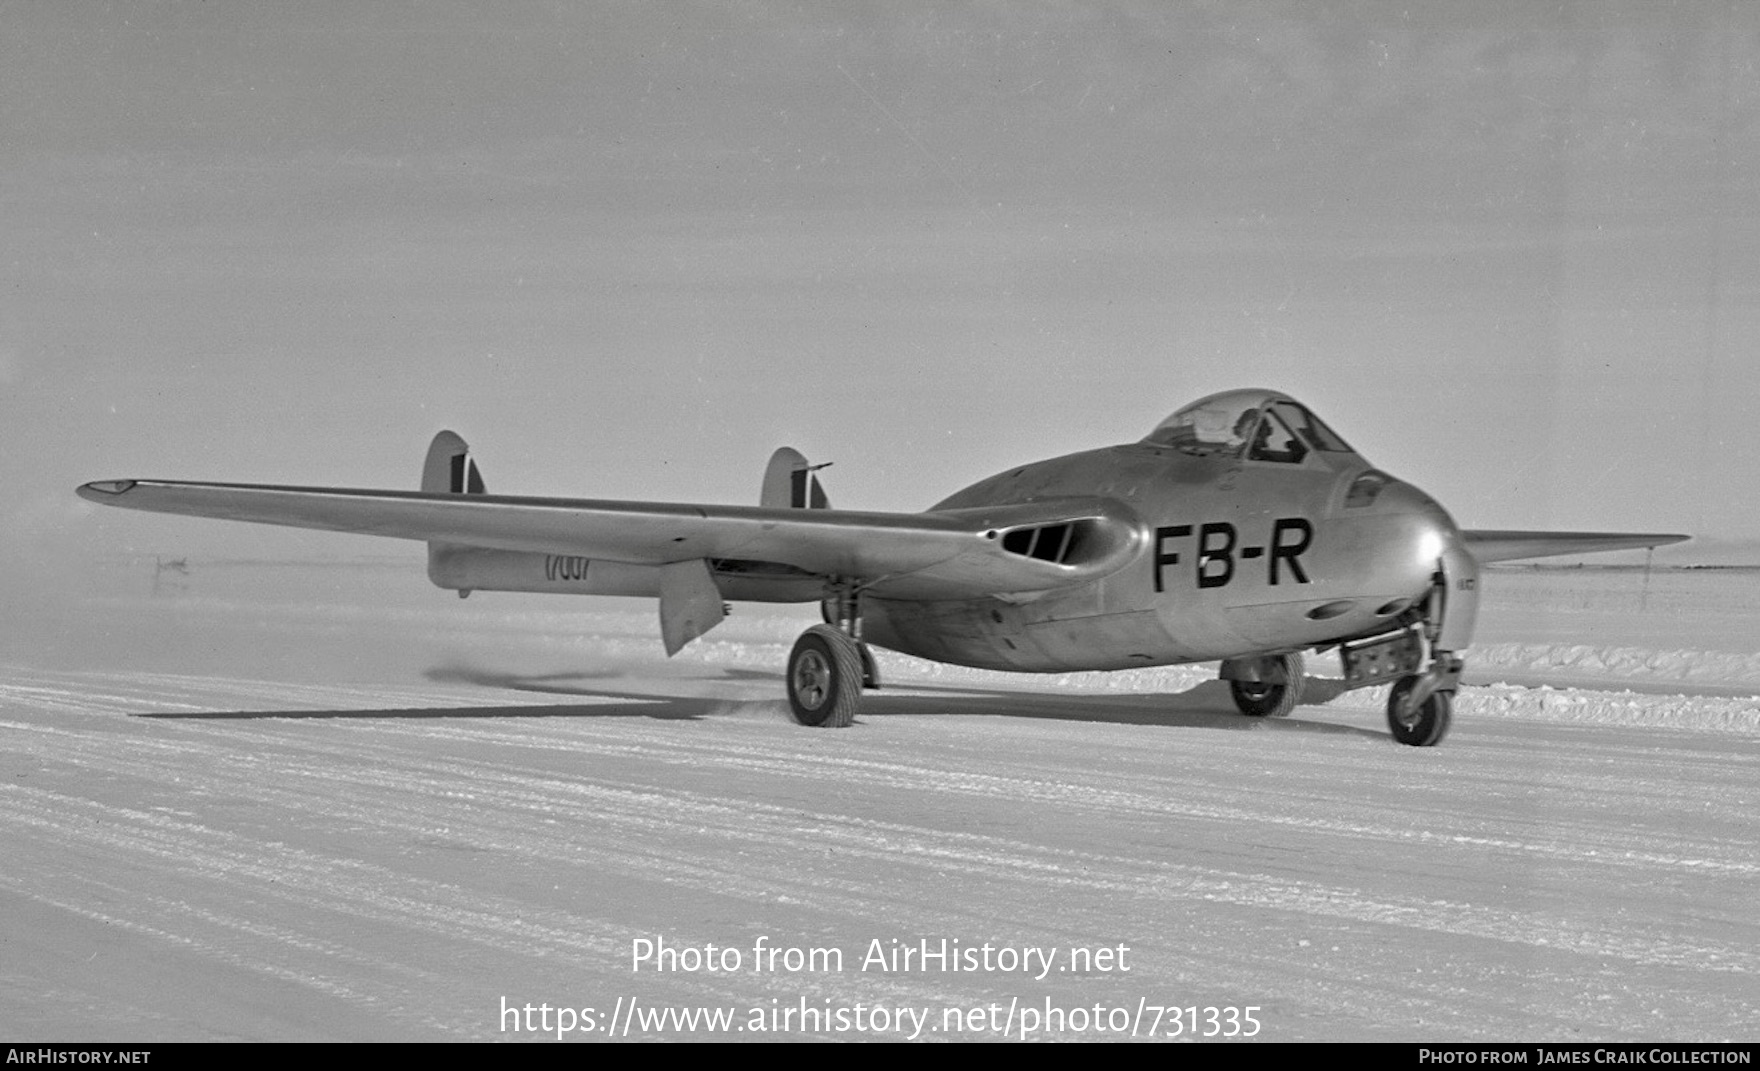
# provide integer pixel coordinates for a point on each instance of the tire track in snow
(639, 799)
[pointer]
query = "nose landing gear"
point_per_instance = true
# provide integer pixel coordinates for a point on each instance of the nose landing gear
(1420, 705)
(1419, 717)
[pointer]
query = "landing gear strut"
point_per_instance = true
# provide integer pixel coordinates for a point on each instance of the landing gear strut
(830, 665)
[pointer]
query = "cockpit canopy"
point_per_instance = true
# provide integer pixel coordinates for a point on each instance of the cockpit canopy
(1260, 425)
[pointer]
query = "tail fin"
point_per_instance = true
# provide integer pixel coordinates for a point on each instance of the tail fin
(449, 469)
(791, 483)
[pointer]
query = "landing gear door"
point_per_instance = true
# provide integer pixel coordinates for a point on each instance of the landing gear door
(1460, 598)
(690, 603)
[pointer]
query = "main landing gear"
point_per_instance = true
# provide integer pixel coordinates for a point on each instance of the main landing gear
(830, 665)
(1268, 687)
(824, 678)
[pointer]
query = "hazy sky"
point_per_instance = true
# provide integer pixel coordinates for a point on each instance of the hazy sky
(1510, 251)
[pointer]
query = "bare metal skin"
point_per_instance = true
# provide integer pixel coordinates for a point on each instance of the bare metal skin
(1241, 530)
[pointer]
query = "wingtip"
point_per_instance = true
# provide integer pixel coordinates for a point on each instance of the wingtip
(104, 490)
(1665, 539)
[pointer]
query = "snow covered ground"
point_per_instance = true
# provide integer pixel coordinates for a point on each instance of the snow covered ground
(264, 801)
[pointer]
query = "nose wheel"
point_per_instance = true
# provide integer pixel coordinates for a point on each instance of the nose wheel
(1420, 705)
(1422, 723)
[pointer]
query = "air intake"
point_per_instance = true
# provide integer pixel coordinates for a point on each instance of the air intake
(1055, 543)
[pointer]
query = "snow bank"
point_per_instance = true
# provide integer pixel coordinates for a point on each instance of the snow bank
(1635, 664)
(1624, 708)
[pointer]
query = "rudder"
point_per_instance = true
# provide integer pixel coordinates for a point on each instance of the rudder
(791, 483)
(450, 467)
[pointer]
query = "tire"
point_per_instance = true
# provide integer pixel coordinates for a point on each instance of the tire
(1428, 724)
(824, 678)
(1258, 700)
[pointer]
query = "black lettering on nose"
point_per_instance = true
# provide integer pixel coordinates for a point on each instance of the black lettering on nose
(1290, 550)
(1164, 557)
(1215, 560)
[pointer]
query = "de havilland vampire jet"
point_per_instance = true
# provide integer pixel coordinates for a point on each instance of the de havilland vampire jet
(1241, 530)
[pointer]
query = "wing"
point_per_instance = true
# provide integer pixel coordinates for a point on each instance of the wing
(940, 555)
(1499, 546)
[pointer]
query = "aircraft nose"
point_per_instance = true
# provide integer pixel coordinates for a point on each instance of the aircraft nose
(1438, 554)
(1424, 525)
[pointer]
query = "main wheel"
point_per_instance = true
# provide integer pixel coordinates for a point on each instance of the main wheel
(1260, 700)
(824, 678)
(1425, 726)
